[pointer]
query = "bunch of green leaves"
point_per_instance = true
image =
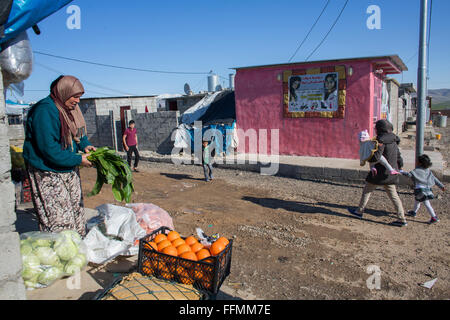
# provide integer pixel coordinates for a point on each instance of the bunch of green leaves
(111, 169)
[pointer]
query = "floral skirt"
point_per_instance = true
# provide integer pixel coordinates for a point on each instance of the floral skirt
(58, 200)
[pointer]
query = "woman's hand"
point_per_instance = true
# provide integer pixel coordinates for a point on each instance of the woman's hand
(84, 161)
(89, 148)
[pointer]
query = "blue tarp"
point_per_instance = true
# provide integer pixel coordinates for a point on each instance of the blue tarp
(26, 13)
(226, 140)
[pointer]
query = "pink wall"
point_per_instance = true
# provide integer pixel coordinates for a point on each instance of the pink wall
(259, 105)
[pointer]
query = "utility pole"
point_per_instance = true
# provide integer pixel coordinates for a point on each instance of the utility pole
(422, 80)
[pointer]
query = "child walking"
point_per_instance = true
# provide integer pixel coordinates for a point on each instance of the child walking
(207, 161)
(367, 147)
(424, 180)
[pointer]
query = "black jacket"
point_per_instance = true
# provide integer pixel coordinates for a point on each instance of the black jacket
(389, 149)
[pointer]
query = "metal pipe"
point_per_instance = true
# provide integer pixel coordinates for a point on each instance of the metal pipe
(422, 80)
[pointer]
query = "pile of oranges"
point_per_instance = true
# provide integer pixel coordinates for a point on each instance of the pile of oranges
(172, 244)
(189, 248)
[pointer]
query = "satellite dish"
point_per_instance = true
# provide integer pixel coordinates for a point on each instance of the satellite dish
(219, 88)
(187, 89)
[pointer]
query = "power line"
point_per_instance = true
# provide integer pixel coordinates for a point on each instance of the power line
(329, 31)
(115, 66)
(87, 82)
(310, 30)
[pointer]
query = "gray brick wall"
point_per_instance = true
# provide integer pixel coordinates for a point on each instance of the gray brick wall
(155, 130)
(11, 283)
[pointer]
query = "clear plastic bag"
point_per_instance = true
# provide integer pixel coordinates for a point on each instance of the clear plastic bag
(16, 59)
(47, 257)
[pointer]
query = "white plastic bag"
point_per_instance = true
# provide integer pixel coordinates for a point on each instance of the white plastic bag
(120, 233)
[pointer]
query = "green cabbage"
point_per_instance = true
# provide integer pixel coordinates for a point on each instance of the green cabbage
(41, 243)
(30, 273)
(71, 269)
(66, 249)
(72, 235)
(26, 248)
(31, 261)
(50, 275)
(46, 256)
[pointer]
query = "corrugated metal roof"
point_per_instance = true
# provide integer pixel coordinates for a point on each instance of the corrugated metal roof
(394, 59)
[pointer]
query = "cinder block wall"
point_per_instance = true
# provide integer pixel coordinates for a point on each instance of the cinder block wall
(105, 105)
(11, 283)
(155, 130)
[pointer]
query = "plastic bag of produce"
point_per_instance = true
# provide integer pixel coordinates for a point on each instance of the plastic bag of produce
(47, 257)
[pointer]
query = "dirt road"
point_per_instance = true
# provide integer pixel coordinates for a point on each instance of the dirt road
(294, 239)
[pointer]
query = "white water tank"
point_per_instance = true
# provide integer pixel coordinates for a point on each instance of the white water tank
(213, 82)
(232, 75)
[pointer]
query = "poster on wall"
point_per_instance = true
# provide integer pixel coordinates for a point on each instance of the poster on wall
(317, 92)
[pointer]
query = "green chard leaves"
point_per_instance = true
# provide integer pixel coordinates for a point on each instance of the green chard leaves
(111, 169)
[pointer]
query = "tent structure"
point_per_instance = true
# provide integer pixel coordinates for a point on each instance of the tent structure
(217, 112)
(16, 109)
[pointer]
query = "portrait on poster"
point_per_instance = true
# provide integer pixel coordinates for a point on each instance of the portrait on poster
(313, 93)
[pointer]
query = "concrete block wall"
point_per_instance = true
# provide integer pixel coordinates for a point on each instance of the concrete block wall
(105, 105)
(90, 116)
(11, 283)
(155, 130)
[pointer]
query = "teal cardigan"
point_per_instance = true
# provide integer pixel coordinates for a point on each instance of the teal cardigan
(42, 148)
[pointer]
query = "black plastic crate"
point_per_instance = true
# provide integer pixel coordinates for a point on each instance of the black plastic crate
(206, 275)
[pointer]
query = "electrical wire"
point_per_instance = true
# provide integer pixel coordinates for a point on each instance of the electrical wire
(310, 30)
(329, 31)
(115, 66)
(87, 82)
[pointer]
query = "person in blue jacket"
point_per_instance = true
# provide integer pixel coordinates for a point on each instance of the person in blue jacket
(56, 144)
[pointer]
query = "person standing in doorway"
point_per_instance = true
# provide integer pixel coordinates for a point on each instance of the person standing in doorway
(130, 143)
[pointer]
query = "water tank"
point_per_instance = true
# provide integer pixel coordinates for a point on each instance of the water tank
(232, 75)
(213, 82)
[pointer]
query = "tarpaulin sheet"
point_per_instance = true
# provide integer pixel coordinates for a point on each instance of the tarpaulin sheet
(26, 13)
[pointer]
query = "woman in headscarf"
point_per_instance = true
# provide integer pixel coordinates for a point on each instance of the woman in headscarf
(388, 147)
(55, 134)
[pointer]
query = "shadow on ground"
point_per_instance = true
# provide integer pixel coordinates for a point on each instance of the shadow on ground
(314, 208)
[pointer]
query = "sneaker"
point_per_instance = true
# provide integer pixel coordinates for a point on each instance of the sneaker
(355, 213)
(434, 220)
(399, 223)
(136, 170)
(411, 213)
(394, 172)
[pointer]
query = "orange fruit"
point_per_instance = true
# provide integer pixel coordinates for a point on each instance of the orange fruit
(170, 250)
(224, 241)
(189, 256)
(190, 241)
(196, 247)
(173, 235)
(203, 253)
(178, 242)
(216, 248)
(159, 238)
(183, 249)
(164, 244)
(151, 245)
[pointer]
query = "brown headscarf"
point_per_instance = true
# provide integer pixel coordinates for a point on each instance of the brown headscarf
(73, 126)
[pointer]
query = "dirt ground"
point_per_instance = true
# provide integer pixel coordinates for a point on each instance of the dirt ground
(294, 239)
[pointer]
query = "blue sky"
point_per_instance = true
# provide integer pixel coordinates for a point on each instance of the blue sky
(200, 35)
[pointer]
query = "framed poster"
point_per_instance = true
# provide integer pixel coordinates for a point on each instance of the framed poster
(315, 93)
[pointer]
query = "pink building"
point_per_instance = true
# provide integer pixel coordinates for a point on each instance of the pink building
(319, 107)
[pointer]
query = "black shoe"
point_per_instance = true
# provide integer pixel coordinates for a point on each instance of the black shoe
(136, 170)
(399, 223)
(411, 213)
(355, 213)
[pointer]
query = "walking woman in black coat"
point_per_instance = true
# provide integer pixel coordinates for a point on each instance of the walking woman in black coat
(388, 147)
